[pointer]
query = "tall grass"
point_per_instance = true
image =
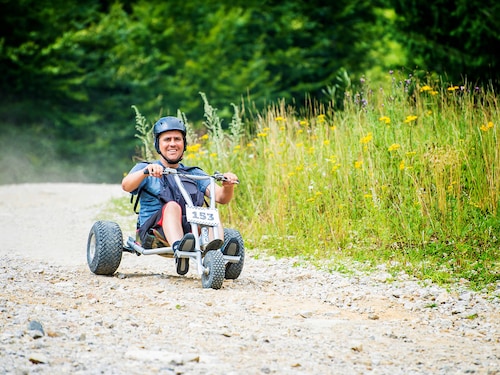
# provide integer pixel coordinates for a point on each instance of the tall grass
(407, 176)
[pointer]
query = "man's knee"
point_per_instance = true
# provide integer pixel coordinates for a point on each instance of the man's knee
(171, 210)
(171, 207)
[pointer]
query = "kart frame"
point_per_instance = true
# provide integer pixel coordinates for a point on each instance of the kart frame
(212, 265)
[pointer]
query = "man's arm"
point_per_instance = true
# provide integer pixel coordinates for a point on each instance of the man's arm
(224, 193)
(132, 181)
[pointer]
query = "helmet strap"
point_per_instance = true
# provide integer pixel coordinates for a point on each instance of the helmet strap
(170, 161)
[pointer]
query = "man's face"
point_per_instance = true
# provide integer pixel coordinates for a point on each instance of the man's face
(171, 144)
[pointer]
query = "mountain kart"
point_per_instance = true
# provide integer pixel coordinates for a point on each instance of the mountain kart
(105, 242)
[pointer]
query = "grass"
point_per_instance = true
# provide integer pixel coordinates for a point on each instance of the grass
(120, 211)
(406, 175)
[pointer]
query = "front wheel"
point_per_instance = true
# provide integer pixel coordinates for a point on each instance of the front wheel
(104, 248)
(213, 275)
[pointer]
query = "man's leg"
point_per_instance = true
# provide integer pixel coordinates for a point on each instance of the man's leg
(171, 222)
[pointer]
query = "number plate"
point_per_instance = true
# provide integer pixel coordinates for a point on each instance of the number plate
(202, 215)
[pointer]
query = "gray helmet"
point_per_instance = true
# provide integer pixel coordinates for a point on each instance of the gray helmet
(166, 124)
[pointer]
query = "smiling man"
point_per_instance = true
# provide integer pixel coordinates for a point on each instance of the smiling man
(162, 208)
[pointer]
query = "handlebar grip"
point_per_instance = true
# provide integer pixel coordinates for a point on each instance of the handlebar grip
(223, 178)
(165, 171)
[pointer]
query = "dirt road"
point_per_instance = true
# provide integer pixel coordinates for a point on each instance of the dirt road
(279, 317)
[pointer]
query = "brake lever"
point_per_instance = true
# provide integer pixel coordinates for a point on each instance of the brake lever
(220, 177)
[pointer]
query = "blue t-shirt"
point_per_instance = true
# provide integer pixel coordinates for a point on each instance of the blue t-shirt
(148, 200)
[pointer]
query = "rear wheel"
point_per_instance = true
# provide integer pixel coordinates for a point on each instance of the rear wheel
(233, 270)
(214, 275)
(104, 248)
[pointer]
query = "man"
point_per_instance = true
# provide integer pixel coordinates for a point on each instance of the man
(161, 213)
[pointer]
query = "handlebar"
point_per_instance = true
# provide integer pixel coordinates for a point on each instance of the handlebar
(216, 176)
(220, 177)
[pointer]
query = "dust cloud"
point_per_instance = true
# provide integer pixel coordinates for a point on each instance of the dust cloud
(25, 159)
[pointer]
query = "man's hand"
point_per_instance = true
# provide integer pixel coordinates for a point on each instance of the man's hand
(155, 170)
(231, 179)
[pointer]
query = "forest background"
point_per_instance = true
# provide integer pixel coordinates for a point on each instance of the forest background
(72, 70)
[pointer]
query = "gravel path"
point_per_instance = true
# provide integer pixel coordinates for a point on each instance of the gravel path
(278, 318)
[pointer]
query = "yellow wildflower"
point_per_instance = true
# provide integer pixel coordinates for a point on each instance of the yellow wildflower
(486, 127)
(279, 118)
(410, 119)
(213, 155)
(402, 165)
(366, 139)
(385, 119)
(394, 147)
(453, 88)
(193, 148)
(303, 122)
(326, 142)
(321, 119)
(262, 135)
(425, 88)
(204, 137)
(358, 164)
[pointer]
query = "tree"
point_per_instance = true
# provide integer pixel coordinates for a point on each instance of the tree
(64, 77)
(458, 38)
(74, 69)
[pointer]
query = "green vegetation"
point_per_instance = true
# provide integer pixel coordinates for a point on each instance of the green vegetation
(72, 69)
(407, 176)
